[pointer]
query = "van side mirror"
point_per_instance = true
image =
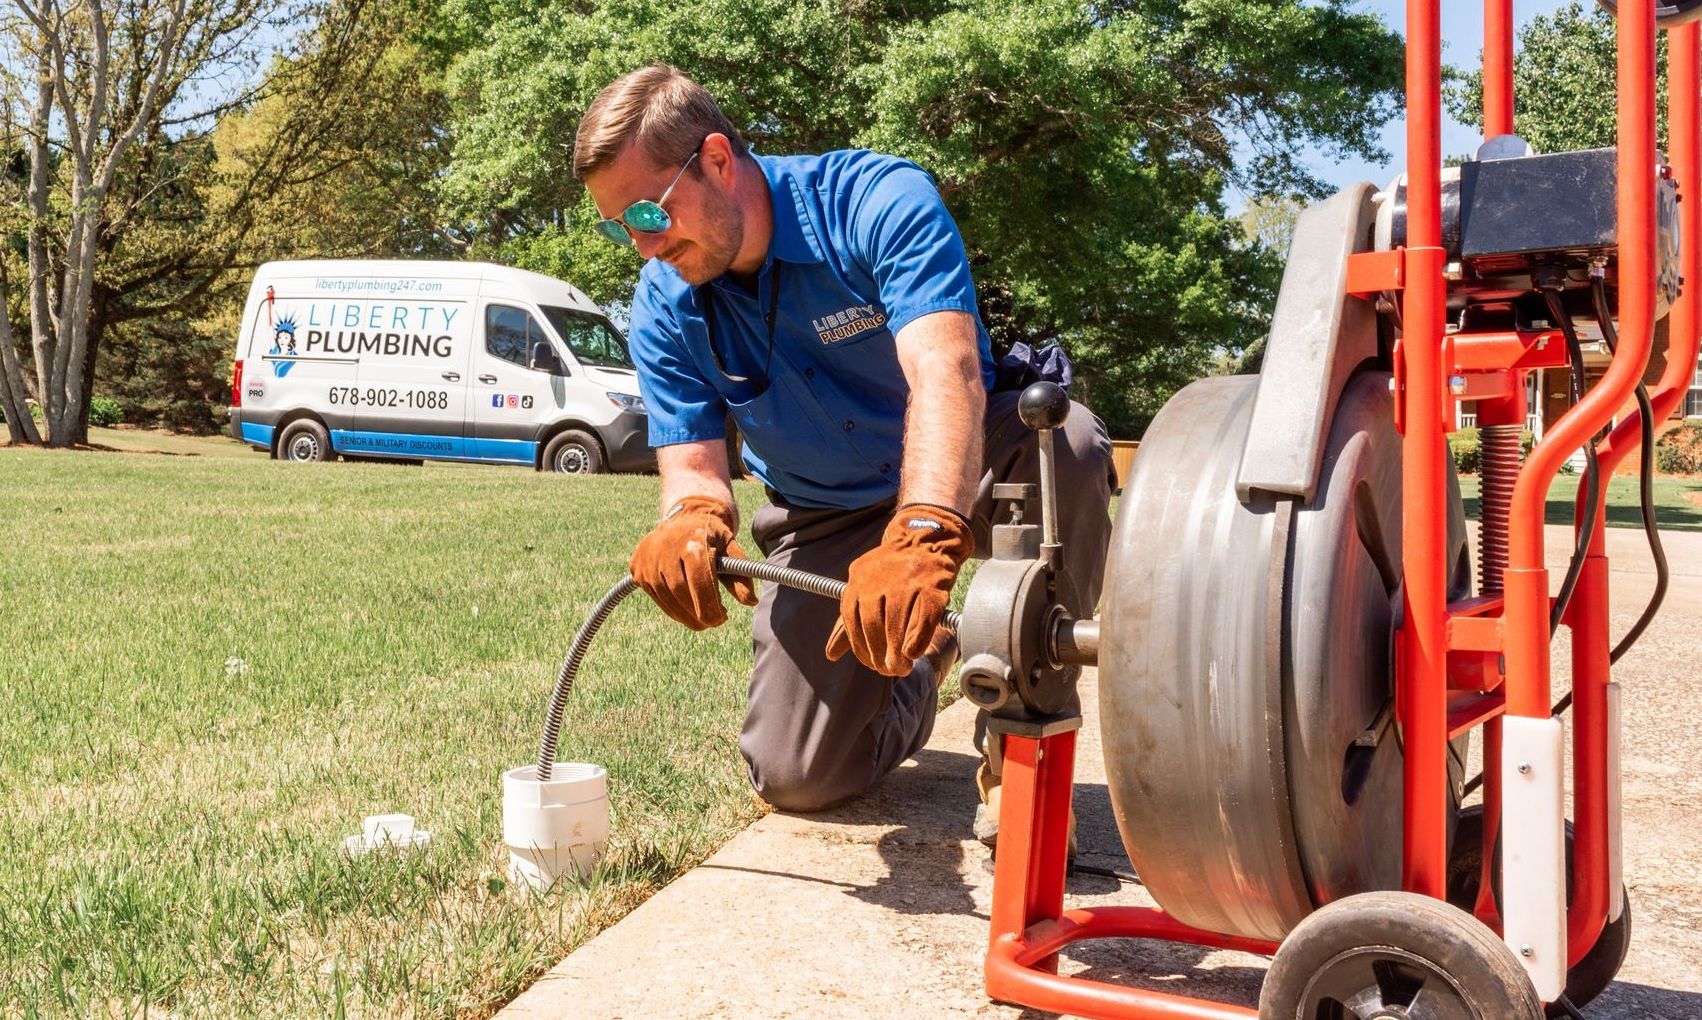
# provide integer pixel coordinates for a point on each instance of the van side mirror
(544, 359)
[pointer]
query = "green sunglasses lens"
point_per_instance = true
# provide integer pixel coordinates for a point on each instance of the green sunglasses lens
(613, 230)
(647, 217)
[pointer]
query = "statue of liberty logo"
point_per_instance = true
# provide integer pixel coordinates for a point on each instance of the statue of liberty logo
(283, 336)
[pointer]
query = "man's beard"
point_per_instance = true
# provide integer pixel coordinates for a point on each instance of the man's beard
(723, 231)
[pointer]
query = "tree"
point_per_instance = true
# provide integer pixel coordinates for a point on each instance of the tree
(1564, 89)
(96, 85)
(124, 213)
(361, 189)
(1083, 149)
(1269, 220)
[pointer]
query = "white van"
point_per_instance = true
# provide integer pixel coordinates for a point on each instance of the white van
(434, 360)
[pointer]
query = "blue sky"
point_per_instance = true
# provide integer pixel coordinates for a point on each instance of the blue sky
(1462, 46)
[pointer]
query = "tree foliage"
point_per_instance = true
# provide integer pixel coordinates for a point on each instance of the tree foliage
(1083, 148)
(1269, 220)
(160, 141)
(1564, 90)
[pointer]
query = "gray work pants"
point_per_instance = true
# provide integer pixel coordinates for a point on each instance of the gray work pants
(818, 732)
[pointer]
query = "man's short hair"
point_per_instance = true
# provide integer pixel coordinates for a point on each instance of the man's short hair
(656, 107)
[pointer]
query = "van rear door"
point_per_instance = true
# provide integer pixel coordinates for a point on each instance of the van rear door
(286, 372)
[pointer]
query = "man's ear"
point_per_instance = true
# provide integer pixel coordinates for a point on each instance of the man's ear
(717, 159)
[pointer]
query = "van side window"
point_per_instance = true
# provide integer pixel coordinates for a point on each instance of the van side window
(510, 333)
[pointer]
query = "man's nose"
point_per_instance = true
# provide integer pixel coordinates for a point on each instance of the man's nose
(647, 244)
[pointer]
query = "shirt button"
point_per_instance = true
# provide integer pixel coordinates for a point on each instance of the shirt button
(809, 373)
(849, 425)
(886, 469)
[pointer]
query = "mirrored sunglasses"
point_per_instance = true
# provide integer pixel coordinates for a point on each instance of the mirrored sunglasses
(643, 216)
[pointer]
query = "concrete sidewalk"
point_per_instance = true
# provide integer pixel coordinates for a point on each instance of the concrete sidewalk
(879, 909)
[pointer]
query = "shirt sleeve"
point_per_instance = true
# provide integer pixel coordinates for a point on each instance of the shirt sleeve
(907, 239)
(683, 408)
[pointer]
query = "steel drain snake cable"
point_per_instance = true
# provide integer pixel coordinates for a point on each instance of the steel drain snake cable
(815, 584)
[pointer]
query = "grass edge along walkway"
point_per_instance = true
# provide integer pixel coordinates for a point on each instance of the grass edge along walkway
(217, 667)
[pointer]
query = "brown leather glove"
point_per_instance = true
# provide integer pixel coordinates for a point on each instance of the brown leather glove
(897, 592)
(675, 563)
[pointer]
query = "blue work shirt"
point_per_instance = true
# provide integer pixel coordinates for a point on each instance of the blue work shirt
(862, 246)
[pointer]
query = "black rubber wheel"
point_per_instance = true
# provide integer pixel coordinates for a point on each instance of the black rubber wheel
(1668, 13)
(305, 440)
(1591, 975)
(1395, 956)
(574, 453)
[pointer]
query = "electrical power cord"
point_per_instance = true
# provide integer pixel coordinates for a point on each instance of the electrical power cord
(1592, 469)
(1646, 463)
(1645, 489)
(1122, 875)
(815, 584)
(1592, 494)
(1645, 481)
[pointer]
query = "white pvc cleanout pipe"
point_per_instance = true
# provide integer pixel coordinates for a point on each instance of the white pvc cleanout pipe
(557, 828)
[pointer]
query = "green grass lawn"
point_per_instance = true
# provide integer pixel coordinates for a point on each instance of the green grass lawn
(1624, 508)
(215, 665)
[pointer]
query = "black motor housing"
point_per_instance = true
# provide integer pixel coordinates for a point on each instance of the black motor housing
(1503, 218)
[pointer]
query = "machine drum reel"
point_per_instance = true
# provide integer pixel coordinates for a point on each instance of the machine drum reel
(1246, 665)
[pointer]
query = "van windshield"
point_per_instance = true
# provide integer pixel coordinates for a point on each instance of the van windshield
(590, 337)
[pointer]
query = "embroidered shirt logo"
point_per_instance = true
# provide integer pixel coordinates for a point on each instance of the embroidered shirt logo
(923, 522)
(848, 322)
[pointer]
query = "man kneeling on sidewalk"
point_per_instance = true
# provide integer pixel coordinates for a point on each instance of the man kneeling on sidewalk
(826, 303)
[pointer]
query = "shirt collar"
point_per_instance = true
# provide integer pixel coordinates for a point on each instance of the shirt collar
(794, 238)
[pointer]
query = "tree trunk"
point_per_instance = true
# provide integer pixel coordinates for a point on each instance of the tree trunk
(14, 394)
(96, 333)
(68, 415)
(42, 328)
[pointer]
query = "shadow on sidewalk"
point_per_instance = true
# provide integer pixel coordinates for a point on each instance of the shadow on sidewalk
(1625, 1000)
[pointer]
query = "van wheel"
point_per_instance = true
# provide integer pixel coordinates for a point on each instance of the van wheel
(574, 453)
(305, 440)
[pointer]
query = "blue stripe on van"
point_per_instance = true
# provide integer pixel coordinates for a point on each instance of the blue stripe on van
(401, 444)
(509, 451)
(398, 444)
(259, 435)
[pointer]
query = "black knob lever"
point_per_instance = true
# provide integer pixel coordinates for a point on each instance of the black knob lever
(1043, 407)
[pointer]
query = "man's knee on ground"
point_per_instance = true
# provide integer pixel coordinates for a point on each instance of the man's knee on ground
(790, 784)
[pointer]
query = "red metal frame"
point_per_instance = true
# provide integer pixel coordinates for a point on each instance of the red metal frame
(1449, 676)
(1029, 923)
